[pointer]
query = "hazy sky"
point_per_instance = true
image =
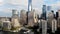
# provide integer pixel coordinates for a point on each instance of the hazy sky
(7, 5)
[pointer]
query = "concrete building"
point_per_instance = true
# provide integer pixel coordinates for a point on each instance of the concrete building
(48, 9)
(15, 19)
(44, 26)
(23, 17)
(58, 18)
(6, 25)
(50, 18)
(59, 13)
(2, 19)
(32, 18)
(54, 25)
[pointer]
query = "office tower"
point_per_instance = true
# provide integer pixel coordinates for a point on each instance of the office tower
(14, 13)
(44, 11)
(23, 17)
(29, 5)
(44, 27)
(54, 25)
(49, 20)
(48, 10)
(56, 15)
(58, 18)
(32, 18)
(15, 19)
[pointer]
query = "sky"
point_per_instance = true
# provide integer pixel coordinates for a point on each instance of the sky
(6, 6)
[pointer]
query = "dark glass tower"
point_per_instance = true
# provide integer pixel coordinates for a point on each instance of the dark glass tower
(44, 12)
(57, 15)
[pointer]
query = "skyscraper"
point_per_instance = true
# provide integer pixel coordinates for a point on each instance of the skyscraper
(48, 8)
(14, 13)
(44, 11)
(56, 15)
(23, 17)
(58, 18)
(15, 19)
(32, 18)
(29, 5)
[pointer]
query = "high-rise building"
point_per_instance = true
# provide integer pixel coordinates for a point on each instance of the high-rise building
(14, 13)
(29, 5)
(44, 11)
(32, 18)
(56, 15)
(58, 18)
(54, 25)
(50, 18)
(48, 10)
(44, 27)
(15, 19)
(6, 25)
(23, 17)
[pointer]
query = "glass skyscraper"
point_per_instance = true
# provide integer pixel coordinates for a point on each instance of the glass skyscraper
(44, 11)
(29, 5)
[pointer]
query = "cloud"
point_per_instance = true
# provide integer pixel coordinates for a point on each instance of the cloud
(1, 2)
(56, 6)
(17, 2)
(6, 10)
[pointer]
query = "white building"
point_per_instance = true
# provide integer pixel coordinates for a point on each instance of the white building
(58, 18)
(44, 26)
(15, 19)
(50, 17)
(6, 25)
(54, 25)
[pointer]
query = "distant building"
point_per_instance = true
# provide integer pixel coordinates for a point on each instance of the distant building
(50, 18)
(44, 26)
(14, 13)
(29, 5)
(59, 13)
(23, 17)
(5, 18)
(58, 18)
(32, 18)
(15, 19)
(44, 11)
(48, 9)
(54, 25)
(6, 25)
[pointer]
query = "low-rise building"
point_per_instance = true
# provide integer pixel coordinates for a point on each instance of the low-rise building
(6, 25)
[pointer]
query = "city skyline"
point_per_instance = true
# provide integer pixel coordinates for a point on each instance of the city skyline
(7, 5)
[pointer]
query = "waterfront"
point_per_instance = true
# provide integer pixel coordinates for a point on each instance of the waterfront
(5, 32)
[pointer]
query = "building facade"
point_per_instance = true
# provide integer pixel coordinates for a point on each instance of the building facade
(32, 18)
(23, 17)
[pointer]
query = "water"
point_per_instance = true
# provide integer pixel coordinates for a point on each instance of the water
(5, 32)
